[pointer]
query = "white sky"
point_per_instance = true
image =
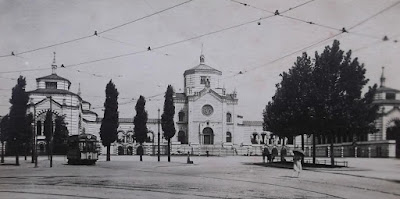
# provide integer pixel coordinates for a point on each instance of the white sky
(26, 25)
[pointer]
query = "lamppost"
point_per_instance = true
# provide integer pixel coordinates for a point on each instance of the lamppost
(158, 135)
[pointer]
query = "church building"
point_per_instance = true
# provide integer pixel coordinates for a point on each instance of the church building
(206, 120)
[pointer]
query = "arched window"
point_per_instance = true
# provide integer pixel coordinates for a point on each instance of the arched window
(181, 116)
(228, 137)
(182, 137)
(263, 138)
(39, 128)
(150, 136)
(254, 138)
(121, 137)
(228, 117)
(130, 137)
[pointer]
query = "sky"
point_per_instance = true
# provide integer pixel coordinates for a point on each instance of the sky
(261, 48)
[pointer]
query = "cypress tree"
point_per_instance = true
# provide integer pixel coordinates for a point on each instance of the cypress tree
(48, 130)
(140, 122)
(109, 124)
(60, 136)
(19, 101)
(167, 118)
(4, 126)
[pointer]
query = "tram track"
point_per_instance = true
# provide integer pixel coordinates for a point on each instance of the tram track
(58, 180)
(100, 186)
(159, 189)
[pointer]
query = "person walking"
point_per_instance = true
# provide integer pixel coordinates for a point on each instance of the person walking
(297, 167)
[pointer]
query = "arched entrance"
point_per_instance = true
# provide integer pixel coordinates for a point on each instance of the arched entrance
(129, 150)
(393, 133)
(208, 136)
(121, 150)
(182, 137)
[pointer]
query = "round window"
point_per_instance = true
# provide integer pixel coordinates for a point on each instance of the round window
(207, 110)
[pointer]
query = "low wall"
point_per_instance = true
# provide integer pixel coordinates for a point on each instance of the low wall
(384, 148)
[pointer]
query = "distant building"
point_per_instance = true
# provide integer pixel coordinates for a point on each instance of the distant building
(205, 117)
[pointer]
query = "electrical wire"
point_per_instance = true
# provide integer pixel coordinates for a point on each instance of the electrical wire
(173, 43)
(96, 32)
(283, 57)
(305, 21)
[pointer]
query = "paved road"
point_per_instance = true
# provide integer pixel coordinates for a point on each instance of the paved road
(213, 177)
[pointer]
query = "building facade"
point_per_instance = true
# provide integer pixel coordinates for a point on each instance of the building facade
(206, 120)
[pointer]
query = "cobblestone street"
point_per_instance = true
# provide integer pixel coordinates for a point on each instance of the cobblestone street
(212, 177)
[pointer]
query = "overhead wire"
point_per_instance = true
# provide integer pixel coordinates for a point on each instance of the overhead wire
(133, 100)
(172, 43)
(304, 21)
(96, 32)
(314, 44)
(183, 40)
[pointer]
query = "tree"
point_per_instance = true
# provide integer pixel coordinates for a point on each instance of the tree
(19, 100)
(339, 80)
(140, 122)
(109, 124)
(167, 118)
(48, 131)
(289, 113)
(27, 136)
(60, 136)
(323, 98)
(4, 126)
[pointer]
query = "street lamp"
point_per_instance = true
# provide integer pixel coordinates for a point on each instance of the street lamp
(158, 135)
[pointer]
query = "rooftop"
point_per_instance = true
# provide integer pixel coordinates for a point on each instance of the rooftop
(53, 77)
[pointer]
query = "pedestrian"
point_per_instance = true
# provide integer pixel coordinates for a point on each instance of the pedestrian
(297, 167)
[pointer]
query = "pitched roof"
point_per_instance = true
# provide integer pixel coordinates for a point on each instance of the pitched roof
(387, 102)
(53, 77)
(202, 68)
(385, 89)
(52, 91)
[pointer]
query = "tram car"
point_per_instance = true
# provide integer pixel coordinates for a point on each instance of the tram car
(82, 149)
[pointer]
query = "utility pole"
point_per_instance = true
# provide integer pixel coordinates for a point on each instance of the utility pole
(158, 134)
(35, 137)
(51, 133)
(33, 134)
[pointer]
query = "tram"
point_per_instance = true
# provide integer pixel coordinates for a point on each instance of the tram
(82, 149)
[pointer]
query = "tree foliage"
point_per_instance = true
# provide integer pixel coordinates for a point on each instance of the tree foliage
(140, 120)
(109, 124)
(48, 126)
(19, 100)
(288, 114)
(324, 97)
(60, 135)
(4, 126)
(167, 118)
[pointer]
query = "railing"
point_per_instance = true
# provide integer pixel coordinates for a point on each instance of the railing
(327, 162)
